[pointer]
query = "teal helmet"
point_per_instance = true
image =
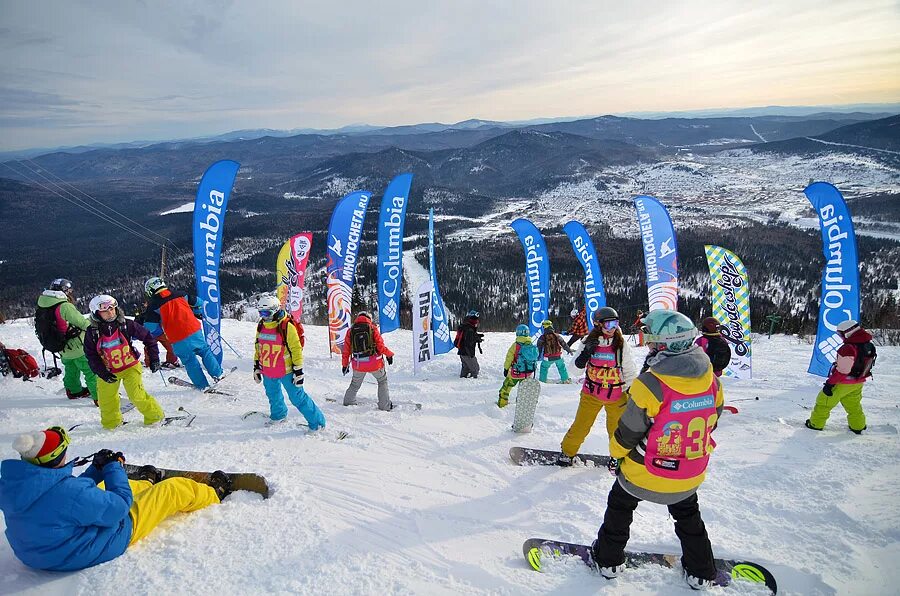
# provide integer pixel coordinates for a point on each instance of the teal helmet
(669, 330)
(523, 331)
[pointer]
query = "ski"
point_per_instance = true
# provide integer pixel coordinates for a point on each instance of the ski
(342, 434)
(523, 456)
(535, 549)
(210, 389)
(252, 482)
(413, 404)
(126, 407)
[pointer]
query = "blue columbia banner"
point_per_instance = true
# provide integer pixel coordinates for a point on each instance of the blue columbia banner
(440, 323)
(209, 222)
(594, 293)
(839, 300)
(537, 272)
(390, 251)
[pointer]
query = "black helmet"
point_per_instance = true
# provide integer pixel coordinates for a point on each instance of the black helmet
(605, 314)
(61, 284)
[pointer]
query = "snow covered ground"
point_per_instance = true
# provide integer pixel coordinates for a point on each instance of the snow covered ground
(427, 502)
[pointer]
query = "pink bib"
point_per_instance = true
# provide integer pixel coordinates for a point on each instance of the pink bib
(115, 351)
(680, 441)
(271, 353)
(603, 378)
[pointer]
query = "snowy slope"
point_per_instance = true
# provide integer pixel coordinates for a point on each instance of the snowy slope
(427, 502)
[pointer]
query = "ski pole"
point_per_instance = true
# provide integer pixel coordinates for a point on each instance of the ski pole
(163, 377)
(236, 353)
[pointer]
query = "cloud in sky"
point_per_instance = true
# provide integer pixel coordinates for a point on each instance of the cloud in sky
(110, 71)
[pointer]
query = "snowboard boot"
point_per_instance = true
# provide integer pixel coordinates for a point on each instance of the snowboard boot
(149, 473)
(221, 483)
(83, 393)
(860, 431)
(607, 572)
(170, 365)
(563, 461)
(697, 583)
(502, 402)
(810, 426)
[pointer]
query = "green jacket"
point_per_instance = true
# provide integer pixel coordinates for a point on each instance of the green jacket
(75, 346)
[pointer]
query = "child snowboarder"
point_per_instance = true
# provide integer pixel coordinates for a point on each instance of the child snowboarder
(610, 371)
(551, 345)
(60, 328)
(713, 345)
(114, 359)
(579, 325)
(178, 315)
(521, 361)
(364, 347)
(467, 340)
(851, 369)
(59, 522)
(278, 362)
(662, 446)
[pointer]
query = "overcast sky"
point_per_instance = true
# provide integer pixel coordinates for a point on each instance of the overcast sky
(92, 71)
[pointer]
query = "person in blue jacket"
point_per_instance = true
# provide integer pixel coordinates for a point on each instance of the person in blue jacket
(59, 522)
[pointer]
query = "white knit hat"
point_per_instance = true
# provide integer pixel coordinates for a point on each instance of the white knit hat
(44, 447)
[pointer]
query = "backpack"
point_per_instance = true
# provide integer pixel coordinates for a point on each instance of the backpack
(526, 360)
(719, 353)
(865, 359)
(22, 364)
(551, 344)
(49, 334)
(362, 340)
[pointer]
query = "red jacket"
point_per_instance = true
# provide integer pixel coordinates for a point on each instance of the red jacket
(846, 356)
(371, 363)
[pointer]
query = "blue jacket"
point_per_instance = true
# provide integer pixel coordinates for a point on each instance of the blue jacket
(59, 522)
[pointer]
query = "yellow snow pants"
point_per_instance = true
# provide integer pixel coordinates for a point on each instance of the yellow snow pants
(588, 408)
(108, 398)
(155, 502)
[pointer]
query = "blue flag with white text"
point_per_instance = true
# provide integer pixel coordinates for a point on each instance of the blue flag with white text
(440, 321)
(594, 293)
(660, 253)
(537, 273)
(390, 251)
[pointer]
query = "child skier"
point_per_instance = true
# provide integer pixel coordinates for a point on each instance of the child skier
(661, 448)
(521, 360)
(551, 345)
(178, 315)
(114, 359)
(364, 347)
(59, 522)
(60, 328)
(610, 371)
(713, 345)
(278, 362)
(851, 369)
(467, 340)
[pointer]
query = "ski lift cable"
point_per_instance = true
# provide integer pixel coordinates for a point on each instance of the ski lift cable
(38, 170)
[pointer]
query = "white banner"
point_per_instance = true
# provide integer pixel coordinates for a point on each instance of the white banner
(423, 336)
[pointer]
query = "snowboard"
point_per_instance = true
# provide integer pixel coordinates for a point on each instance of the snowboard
(395, 403)
(523, 456)
(210, 389)
(527, 394)
(536, 548)
(252, 482)
(183, 420)
(342, 434)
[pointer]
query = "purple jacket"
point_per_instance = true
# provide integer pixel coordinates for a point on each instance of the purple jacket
(129, 328)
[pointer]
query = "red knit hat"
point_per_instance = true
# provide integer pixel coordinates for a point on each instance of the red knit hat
(45, 448)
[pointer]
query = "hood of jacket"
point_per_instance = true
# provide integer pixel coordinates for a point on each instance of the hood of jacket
(860, 337)
(682, 368)
(50, 298)
(362, 319)
(22, 483)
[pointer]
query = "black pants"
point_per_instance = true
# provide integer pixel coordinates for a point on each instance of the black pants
(609, 550)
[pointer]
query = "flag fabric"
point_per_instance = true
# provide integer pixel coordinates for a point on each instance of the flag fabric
(537, 273)
(440, 320)
(423, 338)
(390, 251)
(594, 292)
(839, 300)
(290, 273)
(344, 236)
(209, 221)
(730, 291)
(660, 253)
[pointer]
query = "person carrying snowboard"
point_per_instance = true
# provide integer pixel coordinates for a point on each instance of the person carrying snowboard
(114, 360)
(610, 371)
(178, 315)
(467, 340)
(579, 327)
(551, 346)
(59, 522)
(60, 329)
(661, 448)
(851, 369)
(713, 345)
(364, 349)
(278, 363)
(521, 362)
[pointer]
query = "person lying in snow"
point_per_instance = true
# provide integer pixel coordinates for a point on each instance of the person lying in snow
(59, 522)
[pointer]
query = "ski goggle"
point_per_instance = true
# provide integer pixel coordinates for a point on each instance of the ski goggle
(107, 305)
(610, 324)
(63, 445)
(266, 313)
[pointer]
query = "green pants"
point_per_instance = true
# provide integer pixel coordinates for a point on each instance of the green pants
(560, 366)
(73, 369)
(505, 389)
(110, 415)
(849, 396)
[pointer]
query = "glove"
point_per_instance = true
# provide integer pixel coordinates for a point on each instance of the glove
(257, 373)
(502, 402)
(198, 312)
(108, 377)
(106, 456)
(828, 389)
(390, 360)
(345, 370)
(613, 465)
(505, 372)
(154, 366)
(298, 377)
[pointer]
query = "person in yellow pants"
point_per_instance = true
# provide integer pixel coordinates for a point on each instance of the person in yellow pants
(111, 355)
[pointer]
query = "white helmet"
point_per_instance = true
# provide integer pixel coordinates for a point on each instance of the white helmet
(103, 302)
(268, 306)
(848, 328)
(153, 285)
(574, 313)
